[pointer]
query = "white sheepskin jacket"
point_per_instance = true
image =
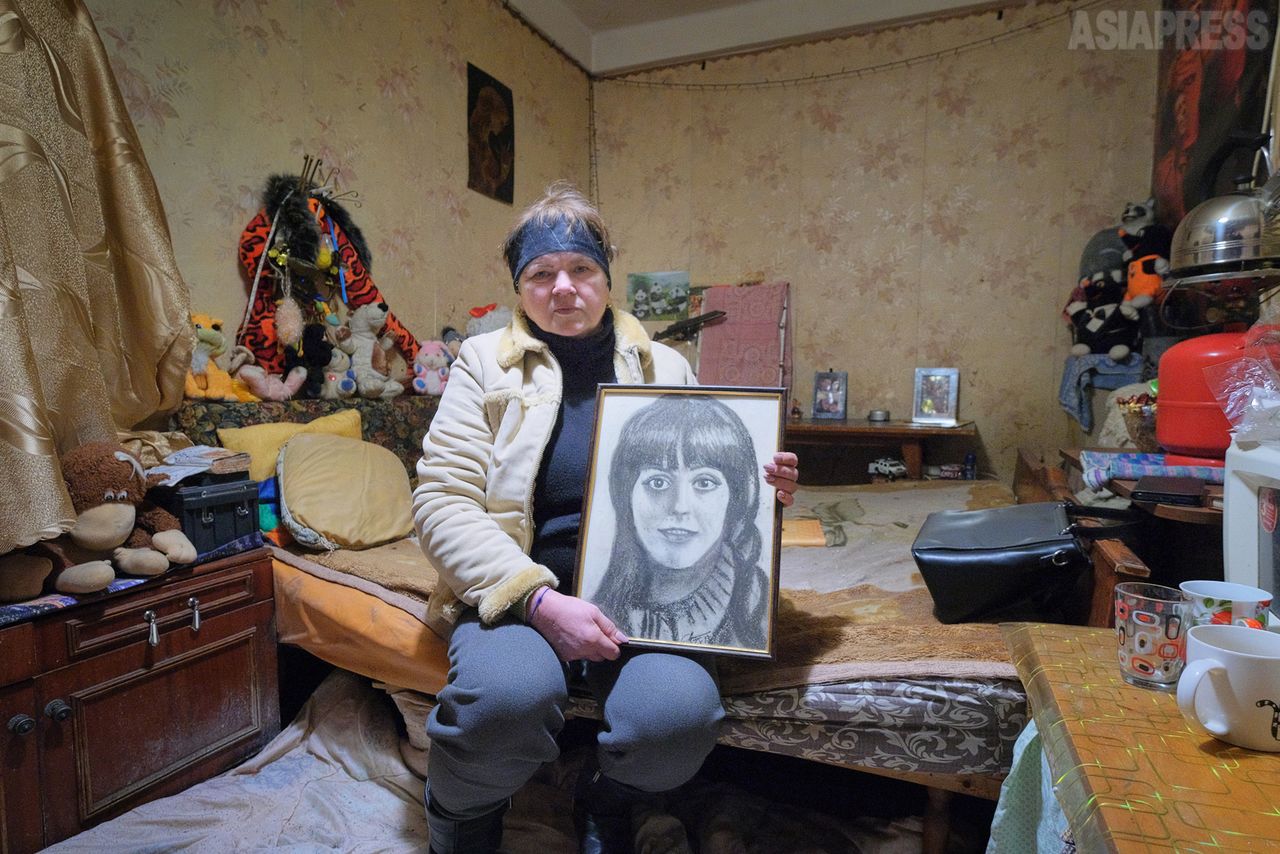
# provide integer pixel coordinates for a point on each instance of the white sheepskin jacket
(473, 507)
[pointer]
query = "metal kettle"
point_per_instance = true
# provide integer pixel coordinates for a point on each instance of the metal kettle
(1232, 236)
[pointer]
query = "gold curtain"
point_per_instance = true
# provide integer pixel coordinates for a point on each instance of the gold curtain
(94, 330)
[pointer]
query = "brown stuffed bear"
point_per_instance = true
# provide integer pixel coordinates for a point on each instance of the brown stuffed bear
(115, 527)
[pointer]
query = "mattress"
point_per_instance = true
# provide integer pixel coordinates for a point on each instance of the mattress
(864, 677)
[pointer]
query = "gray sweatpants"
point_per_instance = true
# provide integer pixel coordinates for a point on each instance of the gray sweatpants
(497, 719)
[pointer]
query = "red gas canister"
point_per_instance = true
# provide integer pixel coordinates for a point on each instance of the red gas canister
(1188, 418)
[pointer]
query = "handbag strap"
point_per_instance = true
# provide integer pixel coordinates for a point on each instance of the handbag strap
(1124, 519)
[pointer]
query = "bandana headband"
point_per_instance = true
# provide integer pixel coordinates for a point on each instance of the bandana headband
(538, 238)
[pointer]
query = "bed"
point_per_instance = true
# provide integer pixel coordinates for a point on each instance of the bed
(864, 678)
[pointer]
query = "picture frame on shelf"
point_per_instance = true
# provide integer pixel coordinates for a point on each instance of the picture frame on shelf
(681, 535)
(830, 394)
(935, 396)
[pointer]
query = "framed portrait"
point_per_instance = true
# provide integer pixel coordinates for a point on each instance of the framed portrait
(830, 394)
(937, 391)
(680, 532)
(491, 136)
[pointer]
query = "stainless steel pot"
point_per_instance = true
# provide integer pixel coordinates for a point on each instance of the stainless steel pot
(1232, 236)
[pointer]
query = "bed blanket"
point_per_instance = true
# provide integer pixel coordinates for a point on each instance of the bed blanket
(856, 609)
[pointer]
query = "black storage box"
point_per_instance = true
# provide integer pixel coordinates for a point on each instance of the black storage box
(213, 514)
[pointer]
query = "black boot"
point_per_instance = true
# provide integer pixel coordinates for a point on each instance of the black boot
(450, 835)
(602, 812)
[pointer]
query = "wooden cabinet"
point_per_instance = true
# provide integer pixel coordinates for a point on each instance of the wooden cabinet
(136, 695)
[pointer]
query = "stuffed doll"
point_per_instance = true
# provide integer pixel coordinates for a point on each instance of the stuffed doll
(312, 355)
(1147, 245)
(206, 380)
(339, 379)
(1104, 322)
(317, 257)
(431, 369)
(452, 339)
(365, 323)
(266, 386)
(116, 527)
(486, 318)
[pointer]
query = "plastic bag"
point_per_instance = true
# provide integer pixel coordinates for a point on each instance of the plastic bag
(1248, 388)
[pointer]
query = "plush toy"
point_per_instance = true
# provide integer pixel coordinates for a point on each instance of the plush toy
(317, 256)
(486, 318)
(365, 323)
(431, 368)
(1147, 245)
(1104, 322)
(116, 527)
(206, 380)
(313, 356)
(339, 379)
(452, 342)
(266, 386)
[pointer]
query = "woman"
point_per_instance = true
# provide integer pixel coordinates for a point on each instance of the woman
(497, 510)
(685, 559)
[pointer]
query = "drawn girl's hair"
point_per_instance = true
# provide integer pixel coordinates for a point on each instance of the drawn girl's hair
(698, 431)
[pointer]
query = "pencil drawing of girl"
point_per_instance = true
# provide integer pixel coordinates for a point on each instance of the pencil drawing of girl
(685, 559)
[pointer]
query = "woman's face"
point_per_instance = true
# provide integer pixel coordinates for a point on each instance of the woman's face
(679, 512)
(564, 293)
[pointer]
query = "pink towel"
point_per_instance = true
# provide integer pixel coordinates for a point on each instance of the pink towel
(751, 346)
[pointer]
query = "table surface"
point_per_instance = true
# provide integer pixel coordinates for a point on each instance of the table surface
(1130, 774)
(1208, 514)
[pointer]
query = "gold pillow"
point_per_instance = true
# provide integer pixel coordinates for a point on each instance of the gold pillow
(337, 492)
(262, 441)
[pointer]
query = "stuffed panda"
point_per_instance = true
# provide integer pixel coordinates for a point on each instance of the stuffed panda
(1104, 321)
(1147, 245)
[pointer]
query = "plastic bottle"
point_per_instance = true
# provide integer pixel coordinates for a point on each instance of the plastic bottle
(971, 466)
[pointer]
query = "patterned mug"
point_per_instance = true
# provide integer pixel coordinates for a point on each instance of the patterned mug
(1150, 633)
(1224, 603)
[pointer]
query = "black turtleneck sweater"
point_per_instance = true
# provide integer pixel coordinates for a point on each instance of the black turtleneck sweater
(562, 476)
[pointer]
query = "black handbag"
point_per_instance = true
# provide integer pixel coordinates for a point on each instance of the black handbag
(1022, 562)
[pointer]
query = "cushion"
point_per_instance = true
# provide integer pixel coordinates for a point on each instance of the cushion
(262, 441)
(337, 492)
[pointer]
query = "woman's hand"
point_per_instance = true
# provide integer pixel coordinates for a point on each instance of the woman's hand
(783, 474)
(575, 628)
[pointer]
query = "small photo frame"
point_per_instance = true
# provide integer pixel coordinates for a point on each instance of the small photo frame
(937, 391)
(830, 394)
(680, 532)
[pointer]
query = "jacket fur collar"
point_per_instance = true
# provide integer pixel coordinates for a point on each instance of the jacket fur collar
(517, 340)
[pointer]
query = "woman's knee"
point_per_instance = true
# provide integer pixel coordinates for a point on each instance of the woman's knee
(659, 697)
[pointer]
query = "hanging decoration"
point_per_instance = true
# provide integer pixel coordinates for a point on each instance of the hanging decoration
(306, 260)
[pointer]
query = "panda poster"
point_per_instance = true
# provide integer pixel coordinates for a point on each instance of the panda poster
(658, 296)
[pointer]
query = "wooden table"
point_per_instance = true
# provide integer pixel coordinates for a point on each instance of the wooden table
(1209, 513)
(908, 436)
(1129, 773)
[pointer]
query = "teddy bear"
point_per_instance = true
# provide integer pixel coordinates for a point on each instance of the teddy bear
(339, 380)
(1104, 322)
(430, 368)
(313, 355)
(365, 323)
(206, 379)
(116, 528)
(266, 386)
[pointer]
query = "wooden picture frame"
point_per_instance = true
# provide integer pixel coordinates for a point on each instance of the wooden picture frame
(831, 394)
(935, 396)
(681, 534)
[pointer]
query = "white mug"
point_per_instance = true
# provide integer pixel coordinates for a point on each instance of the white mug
(1226, 603)
(1230, 687)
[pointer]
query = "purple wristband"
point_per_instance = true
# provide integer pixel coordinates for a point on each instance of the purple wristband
(536, 602)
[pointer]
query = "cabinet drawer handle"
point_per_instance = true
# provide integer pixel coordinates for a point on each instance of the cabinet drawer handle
(153, 633)
(57, 710)
(21, 724)
(194, 604)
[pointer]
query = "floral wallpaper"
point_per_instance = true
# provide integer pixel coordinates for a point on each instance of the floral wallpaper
(928, 214)
(227, 92)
